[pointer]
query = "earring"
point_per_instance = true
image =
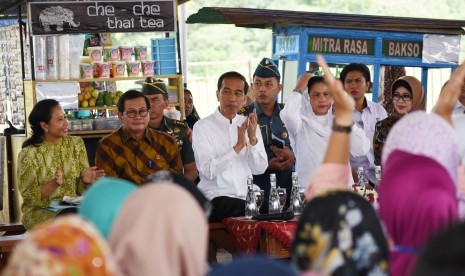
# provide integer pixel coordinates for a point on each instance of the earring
(46, 130)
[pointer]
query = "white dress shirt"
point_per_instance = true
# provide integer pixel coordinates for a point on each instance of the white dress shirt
(309, 135)
(222, 171)
(458, 108)
(367, 120)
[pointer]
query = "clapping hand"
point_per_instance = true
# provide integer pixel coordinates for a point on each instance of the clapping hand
(241, 141)
(59, 176)
(91, 174)
(252, 127)
(450, 94)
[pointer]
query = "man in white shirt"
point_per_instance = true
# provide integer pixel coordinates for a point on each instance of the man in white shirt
(460, 105)
(228, 148)
(356, 80)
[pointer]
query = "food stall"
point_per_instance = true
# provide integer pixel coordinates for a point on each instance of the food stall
(74, 60)
(377, 41)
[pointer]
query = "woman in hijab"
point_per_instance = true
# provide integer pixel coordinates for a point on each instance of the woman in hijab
(418, 190)
(102, 202)
(169, 236)
(68, 245)
(338, 232)
(310, 128)
(407, 96)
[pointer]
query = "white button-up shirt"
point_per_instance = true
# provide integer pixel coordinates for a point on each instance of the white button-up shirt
(367, 120)
(309, 135)
(458, 108)
(222, 171)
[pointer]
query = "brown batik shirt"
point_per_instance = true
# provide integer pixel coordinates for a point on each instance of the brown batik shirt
(120, 155)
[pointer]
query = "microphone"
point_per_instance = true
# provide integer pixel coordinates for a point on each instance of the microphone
(288, 215)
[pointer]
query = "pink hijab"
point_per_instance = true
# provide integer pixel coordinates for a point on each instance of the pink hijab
(417, 195)
(160, 230)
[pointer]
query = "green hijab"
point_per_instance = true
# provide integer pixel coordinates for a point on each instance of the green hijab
(102, 202)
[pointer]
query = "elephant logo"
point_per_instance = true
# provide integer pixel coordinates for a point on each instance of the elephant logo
(56, 15)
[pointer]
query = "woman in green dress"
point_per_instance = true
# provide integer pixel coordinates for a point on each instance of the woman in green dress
(51, 164)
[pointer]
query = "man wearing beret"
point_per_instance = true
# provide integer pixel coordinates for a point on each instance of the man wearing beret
(156, 92)
(135, 151)
(281, 161)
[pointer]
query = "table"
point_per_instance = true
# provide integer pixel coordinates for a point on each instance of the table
(273, 238)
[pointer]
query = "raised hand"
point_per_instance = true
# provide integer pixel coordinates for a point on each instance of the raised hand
(343, 103)
(450, 94)
(58, 176)
(252, 127)
(302, 82)
(241, 141)
(91, 174)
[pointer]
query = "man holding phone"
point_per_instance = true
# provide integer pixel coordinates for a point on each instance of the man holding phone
(281, 159)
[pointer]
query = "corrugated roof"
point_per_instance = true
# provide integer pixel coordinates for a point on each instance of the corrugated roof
(262, 18)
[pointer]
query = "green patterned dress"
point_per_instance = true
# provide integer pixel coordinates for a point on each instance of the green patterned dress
(37, 166)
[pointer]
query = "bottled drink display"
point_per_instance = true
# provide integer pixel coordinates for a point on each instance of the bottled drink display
(361, 178)
(296, 203)
(378, 176)
(251, 208)
(273, 202)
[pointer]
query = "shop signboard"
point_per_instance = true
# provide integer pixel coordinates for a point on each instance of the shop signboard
(402, 48)
(68, 17)
(341, 45)
(287, 44)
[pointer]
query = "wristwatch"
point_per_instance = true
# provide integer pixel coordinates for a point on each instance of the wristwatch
(297, 90)
(339, 128)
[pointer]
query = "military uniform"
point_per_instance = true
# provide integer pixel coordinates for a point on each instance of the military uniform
(182, 133)
(177, 129)
(271, 125)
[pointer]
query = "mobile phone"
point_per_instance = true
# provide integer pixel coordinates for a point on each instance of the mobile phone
(277, 143)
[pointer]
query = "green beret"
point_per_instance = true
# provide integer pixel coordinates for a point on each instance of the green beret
(153, 86)
(267, 69)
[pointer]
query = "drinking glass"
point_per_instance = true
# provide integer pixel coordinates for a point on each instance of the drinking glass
(282, 197)
(259, 197)
(302, 196)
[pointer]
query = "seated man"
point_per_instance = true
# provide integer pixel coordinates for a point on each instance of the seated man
(228, 148)
(135, 151)
(155, 91)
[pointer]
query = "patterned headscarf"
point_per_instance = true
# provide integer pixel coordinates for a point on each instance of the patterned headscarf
(340, 234)
(417, 194)
(68, 245)
(426, 135)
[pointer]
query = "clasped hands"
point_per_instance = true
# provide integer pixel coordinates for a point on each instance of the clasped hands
(89, 175)
(249, 126)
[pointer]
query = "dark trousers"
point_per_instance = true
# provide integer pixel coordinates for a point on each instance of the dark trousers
(224, 207)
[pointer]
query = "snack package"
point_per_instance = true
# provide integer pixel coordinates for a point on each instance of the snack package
(140, 52)
(133, 68)
(105, 39)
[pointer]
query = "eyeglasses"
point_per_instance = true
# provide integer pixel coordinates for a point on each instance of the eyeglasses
(133, 113)
(405, 97)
